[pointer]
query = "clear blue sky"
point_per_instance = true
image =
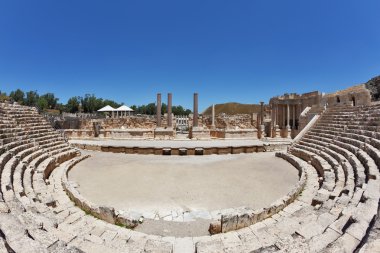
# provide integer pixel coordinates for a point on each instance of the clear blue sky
(243, 51)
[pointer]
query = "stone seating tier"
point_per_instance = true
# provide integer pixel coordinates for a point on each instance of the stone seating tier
(333, 211)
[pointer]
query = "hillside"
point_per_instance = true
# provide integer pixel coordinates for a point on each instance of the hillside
(373, 86)
(233, 108)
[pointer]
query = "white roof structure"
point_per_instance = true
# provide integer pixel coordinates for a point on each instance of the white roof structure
(107, 108)
(124, 108)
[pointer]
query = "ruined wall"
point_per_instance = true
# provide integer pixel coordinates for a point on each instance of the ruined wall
(238, 121)
(356, 95)
(145, 122)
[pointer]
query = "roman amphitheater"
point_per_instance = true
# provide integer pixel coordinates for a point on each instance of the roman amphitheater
(300, 175)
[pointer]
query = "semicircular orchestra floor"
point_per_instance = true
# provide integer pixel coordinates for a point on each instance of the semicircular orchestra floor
(178, 194)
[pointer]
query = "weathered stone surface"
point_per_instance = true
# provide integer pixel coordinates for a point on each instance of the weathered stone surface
(128, 219)
(229, 221)
(212, 246)
(105, 213)
(215, 227)
(184, 245)
(153, 246)
(372, 247)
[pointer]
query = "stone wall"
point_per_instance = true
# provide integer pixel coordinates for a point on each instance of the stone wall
(238, 121)
(106, 213)
(243, 217)
(356, 95)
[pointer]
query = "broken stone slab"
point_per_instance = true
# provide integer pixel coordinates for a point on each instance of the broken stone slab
(104, 213)
(128, 219)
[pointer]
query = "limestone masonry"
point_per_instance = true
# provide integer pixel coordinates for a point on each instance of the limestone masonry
(334, 207)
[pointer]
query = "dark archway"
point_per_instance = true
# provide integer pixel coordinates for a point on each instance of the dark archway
(353, 101)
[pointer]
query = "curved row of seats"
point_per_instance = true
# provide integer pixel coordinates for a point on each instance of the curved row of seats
(334, 213)
(345, 141)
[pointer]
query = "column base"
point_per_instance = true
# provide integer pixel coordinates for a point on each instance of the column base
(161, 133)
(199, 133)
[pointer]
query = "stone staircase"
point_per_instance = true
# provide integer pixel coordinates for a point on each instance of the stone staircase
(336, 211)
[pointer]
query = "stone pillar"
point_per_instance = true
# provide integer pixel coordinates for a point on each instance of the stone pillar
(288, 116)
(213, 117)
(170, 120)
(261, 113)
(283, 116)
(158, 110)
(294, 116)
(275, 115)
(195, 111)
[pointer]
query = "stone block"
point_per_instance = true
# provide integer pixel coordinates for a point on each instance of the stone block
(104, 213)
(157, 246)
(128, 219)
(229, 221)
(215, 227)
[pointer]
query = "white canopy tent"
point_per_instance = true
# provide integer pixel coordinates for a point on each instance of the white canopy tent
(107, 108)
(123, 110)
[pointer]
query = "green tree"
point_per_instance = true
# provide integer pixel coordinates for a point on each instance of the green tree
(31, 98)
(73, 104)
(91, 104)
(164, 108)
(151, 109)
(3, 96)
(18, 96)
(42, 103)
(51, 100)
(110, 103)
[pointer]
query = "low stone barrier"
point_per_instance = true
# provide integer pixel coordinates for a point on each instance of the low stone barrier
(234, 133)
(237, 218)
(106, 213)
(177, 150)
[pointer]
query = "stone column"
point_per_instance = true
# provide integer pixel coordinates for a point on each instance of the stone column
(195, 111)
(283, 116)
(261, 113)
(294, 116)
(288, 116)
(158, 110)
(275, 115)
(170, 120)
(213, 116)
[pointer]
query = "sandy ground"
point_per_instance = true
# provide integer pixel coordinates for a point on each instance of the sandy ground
(164, 184)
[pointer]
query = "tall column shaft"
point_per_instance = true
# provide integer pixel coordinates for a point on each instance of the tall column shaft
(195, 111)
(158, 110)
(294, 116)
(170, 120)
(261, 113)
(275, 115)
(288, 116)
